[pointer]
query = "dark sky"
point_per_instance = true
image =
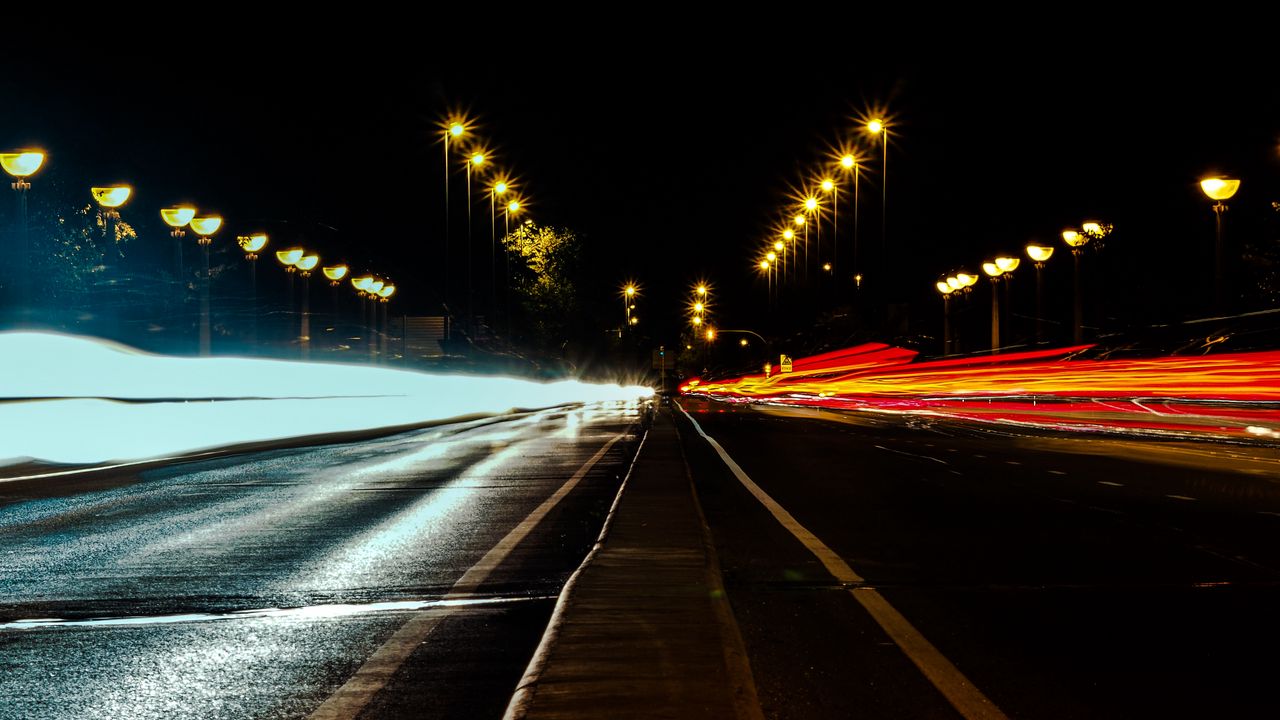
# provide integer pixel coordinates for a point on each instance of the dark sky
(673, 162)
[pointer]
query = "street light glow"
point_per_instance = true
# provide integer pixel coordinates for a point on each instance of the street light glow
(810, 204)
(206, 226)
(702, 290)
(876, 126)
(697, 307)
(307, 263)
(790, 234)
(113, 196)
(828, 185)
(1039, 253)
(177, 217)
(22, 164)
(944, 286)
(500, 188)
(764, 264)
(1074, 238)
(771, 257)
(711, 334)
(779, 246)
(991, 269)
(456, 129)
(1219, 188)
(477, 159)
(336, 272)
(1008, 264)
(799, 219)
(290, 256)
(387, 291)
(252, 243)
(954, 282)
(847, 162)
(513, 206)
(697, 320)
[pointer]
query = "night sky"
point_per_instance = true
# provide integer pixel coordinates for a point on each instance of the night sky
(674, 163)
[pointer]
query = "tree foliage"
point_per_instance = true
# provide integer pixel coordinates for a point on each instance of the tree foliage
(545, 265)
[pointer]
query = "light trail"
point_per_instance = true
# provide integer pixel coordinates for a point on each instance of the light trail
(66, 399)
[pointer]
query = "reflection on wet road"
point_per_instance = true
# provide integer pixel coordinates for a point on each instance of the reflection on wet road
(255, 585)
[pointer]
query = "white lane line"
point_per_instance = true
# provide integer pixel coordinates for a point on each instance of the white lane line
(1056, 472)
(900, 452)
(347, 701)
(967, 699)
(1179, 497)
(1112, 484)
(1268, 512)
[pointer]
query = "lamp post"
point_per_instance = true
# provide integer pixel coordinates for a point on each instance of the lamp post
(1218, 189)
(305, 265)
(850, 163)
(1007, 264)
(477, 160)
(799, 220)
(1076, 240)
(829, 186)
(789, 238)
(945, 289)
(109, 200)
(383, 300)
(21, 165)
(178, 218)
(810, 208)
(252, 245)
(334, 274)
(628, 294)
(994, 272)
(375, 286)
(453, 129)
(204, 228)
(1039, 254)
(499, 188)
(362, 285)
(878, 127)
(289, 258)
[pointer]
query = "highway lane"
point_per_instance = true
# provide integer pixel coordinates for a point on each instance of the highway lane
(257, 585)
(1065, 577)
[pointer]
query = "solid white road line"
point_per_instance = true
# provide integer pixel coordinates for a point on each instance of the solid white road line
(348, 700)
(967, 699)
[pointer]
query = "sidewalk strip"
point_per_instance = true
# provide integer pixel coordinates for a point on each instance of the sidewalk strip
(520, 701)
(967, 699)
(355, 694)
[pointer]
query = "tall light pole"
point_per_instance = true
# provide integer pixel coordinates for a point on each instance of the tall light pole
(383, 300)
(628, 296)
(375, 287)
(288, 258)
(1076, 240)
(1039, 254)
(363, 285)
(878, 127)
(1007, 264)
(476, 160)
(511, 208)
(829, 186)
(994, 272)
(21, 165)
(811, 208)
(945, 289)
(789, 237)
(454, 130)
(334, 274)
(850, 163)
(252, 245)
(305, 265)
(1218, 189)
(498, 188)
(178, 218)
(799, 220)
(204, 228)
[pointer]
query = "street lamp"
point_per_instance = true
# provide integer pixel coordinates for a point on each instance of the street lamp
(334, 274)
(109, 200)
(476, 160)
(305, 265)
(453, 129)
(878, 127)
(1218, 189)
(993, 271)
(789, 236)
(204, 228)
(383, 300)
(945, 288)
(252, 245)
(1076, 240)
(849, 162)
(1039, 254)
(289, 258)
(829, 186)
(21, 165)
(498, 188)
(178, 218)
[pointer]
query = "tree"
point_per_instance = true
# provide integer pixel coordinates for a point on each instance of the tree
(545, 267)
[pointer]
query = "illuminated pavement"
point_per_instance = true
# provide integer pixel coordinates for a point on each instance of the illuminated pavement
(188, 563)
(1064, 577)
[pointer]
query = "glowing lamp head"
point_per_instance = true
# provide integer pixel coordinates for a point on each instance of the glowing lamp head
(387, 291)
(1039, 253)
(954, 283)
(513, 206)
(22, 164)
(697, 320)
(967, 279)
(500, 188)
(743, 342)
(1008, 263)
(376, 285)
(1074, 238)
(702, 290)
(362, 283)
(1219, 188)
(177, 217)
(828, 185)
(779, 246)
(991, 269)
(698, 307)
(456, 129)
(799, 219)
(943, 287)
(826, 266)
(635, 320)
(810, 204)
(1095, 230)
(477, 159)
(206, 226)
(630, 290)
(711, 334)
(290, 257)
(847, 162)
(876, 126)
(789, 234)
(252, 243)
(771, 257)
(764, 264)
(336, 272)
(113, 196)
(307, 263)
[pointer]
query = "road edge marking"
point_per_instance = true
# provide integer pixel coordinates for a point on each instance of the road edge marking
(527, 687)
(963, 695)
(351, 698)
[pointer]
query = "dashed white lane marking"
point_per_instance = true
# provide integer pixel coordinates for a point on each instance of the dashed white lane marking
(1112, 484)
(1179, 497)
(1268, 512)
(1056, 472)
(914, 455)
(377, 671)
(967, 699)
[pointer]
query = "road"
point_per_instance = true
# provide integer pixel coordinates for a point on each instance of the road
(1063, 577)
(424, 564)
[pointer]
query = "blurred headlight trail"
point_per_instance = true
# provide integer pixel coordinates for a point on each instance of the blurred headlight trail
(67, 399)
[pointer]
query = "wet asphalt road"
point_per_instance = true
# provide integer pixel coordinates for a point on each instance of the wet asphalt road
(1066, 577)
(208, 589)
